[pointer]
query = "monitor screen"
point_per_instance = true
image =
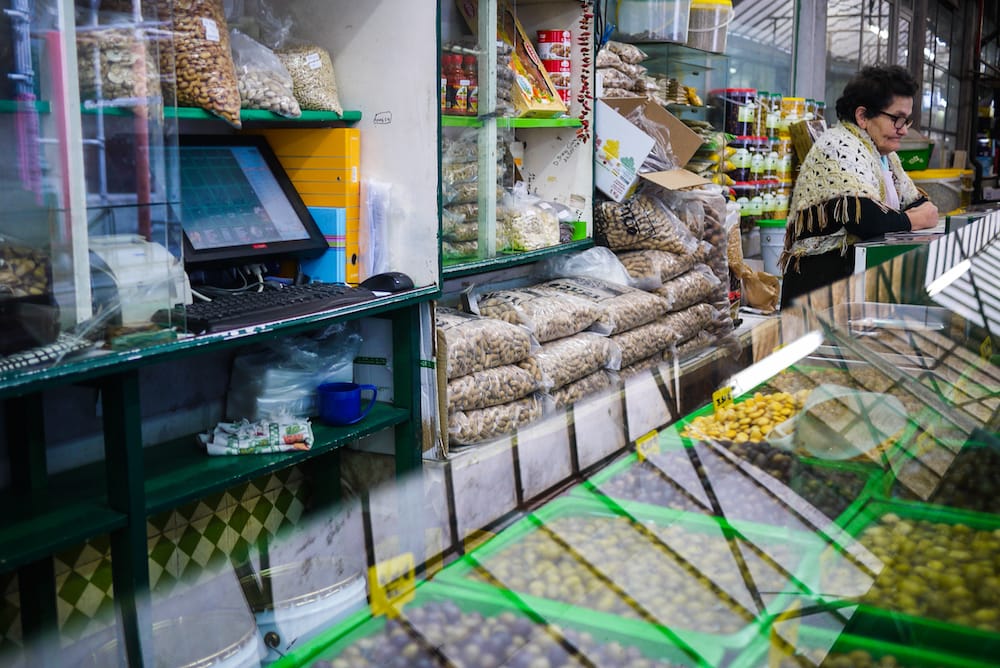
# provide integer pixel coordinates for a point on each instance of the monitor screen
(238, 205)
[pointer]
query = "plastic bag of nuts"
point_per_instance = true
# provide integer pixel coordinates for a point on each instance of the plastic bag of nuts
(641, 342)
(654, 265)
(263, 81)
(117, 64)
(491, 387)
(475, 426)
(578, 389)
(547, 315)
(202, 59)
(472, 343)
(566, 360)
(641, 222)
(696, 285)
(622, 307)
(313, 78)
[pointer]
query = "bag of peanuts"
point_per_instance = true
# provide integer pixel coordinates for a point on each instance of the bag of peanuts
(641, 222)
(654, 265)
(578, 389)
(622, 307)
(490, 387)
(569, 359)
(313, 78)
(547, 315)
(661, 334)
(697, 285)
(263, 81)
(202, 59)
(483, 424)
(470, 343)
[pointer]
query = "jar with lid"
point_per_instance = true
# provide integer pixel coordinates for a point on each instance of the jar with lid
(773, 123)
(769, 198)
(763, 107)
(758, 156)
(821, 109)
(743, 191)
(757, 201)
(740, 158)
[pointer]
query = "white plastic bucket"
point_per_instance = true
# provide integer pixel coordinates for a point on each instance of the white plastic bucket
(653, 20)
(708, 24)
(772, 242)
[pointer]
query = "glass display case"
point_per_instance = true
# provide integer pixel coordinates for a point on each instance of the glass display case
(830, 501)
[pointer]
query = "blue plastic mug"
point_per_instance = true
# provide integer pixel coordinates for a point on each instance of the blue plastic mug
(340, 403)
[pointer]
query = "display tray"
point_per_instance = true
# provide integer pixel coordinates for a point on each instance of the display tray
(438, 605)
(822, 647)
(949, 600)
(626, 566)
(669, 479)
(971, 482)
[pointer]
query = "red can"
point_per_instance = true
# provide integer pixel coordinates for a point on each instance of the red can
(560, 72)
(555, 44)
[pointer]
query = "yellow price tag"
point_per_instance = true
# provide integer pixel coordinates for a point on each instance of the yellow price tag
(392, 583)
(986, 348)
(647, 445)
(722, 398)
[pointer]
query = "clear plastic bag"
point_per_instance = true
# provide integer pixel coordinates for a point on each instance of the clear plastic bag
(491, 387)
(566, 360)
(117, 63)
(263, 81)
(622, 307)
(652, 268)
(571, 393)
(697, 285)
(598, 262)
(661, 334)
(641, 223)
(523, 224)
(473, 343)
(545, 314)
(483, 424)
(313, 77)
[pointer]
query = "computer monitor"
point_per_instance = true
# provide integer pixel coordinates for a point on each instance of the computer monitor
(238, 205)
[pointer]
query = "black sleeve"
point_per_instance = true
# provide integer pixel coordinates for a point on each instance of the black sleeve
(872, 221)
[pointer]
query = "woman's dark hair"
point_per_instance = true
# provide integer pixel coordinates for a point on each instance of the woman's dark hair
(873, 88)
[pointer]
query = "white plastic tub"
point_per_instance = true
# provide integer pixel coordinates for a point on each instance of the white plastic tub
(653, 20)
(708, 24)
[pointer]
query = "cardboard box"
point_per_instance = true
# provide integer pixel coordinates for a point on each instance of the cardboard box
(620, 145)
(534, 94)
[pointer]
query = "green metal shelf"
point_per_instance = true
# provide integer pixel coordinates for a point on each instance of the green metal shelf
(27, 540)
(460, 268)
(179, 471)
(469, 122)
(11, 106)
(258, 115)
(22, 382)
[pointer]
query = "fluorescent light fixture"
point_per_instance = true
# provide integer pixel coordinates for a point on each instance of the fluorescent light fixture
(776, 362)
(947, 278)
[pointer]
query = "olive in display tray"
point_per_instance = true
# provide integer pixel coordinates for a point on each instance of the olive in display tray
(939, 588)
(445, 625)
(635, 568)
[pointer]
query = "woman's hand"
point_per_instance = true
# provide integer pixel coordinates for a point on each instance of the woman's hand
(923, 217)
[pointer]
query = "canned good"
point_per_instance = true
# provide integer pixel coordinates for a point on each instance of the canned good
(560, 72)
(555, 44)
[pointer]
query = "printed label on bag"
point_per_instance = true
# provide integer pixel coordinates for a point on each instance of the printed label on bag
(313, 61)
(211, 29)
(391, 583)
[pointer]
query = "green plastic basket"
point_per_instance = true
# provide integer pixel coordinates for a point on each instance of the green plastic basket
(331, 643)
(916, 631)
(757, 545)
(814, 646)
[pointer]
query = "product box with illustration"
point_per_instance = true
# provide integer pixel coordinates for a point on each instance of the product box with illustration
(626, 131)
(534, 95)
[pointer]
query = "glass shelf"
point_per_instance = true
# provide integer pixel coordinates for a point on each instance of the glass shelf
(462, 267)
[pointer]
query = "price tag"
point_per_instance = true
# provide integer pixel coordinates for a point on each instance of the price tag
(722, 398)
(391, 583)
(647, 445)
(986, 348)
(314, 61)
(211, 29)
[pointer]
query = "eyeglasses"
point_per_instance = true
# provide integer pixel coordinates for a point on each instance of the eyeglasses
(898, 122)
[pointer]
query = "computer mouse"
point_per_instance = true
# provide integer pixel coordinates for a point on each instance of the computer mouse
(390, 281)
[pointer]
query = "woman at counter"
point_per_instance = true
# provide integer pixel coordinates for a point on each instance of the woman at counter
(852, 186)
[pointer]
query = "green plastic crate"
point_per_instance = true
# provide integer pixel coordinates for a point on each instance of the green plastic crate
(779, 587)
(332, 643)
(917, 631)
(814, 646)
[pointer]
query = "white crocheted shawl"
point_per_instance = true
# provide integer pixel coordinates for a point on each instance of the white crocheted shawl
(843, 164)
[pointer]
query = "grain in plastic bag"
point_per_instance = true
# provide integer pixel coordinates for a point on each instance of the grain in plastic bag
(202, 59)
(313, 79)
(117, 64)
(641, 223)
(491, 387)
(661, 334)
(566, 360)
(472, 343)
(622, 307)
(654, 265)
(573, 392)
(263, 81)
(645, 364)
(545, 314)
(483, 424)
(697, 285)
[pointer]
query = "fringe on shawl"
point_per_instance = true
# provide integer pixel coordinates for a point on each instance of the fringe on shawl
(815, 219)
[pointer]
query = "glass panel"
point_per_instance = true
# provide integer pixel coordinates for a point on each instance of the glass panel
(760, 47)
(903, 45)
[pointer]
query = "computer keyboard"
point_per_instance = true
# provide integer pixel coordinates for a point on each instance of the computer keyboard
(242, 309)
